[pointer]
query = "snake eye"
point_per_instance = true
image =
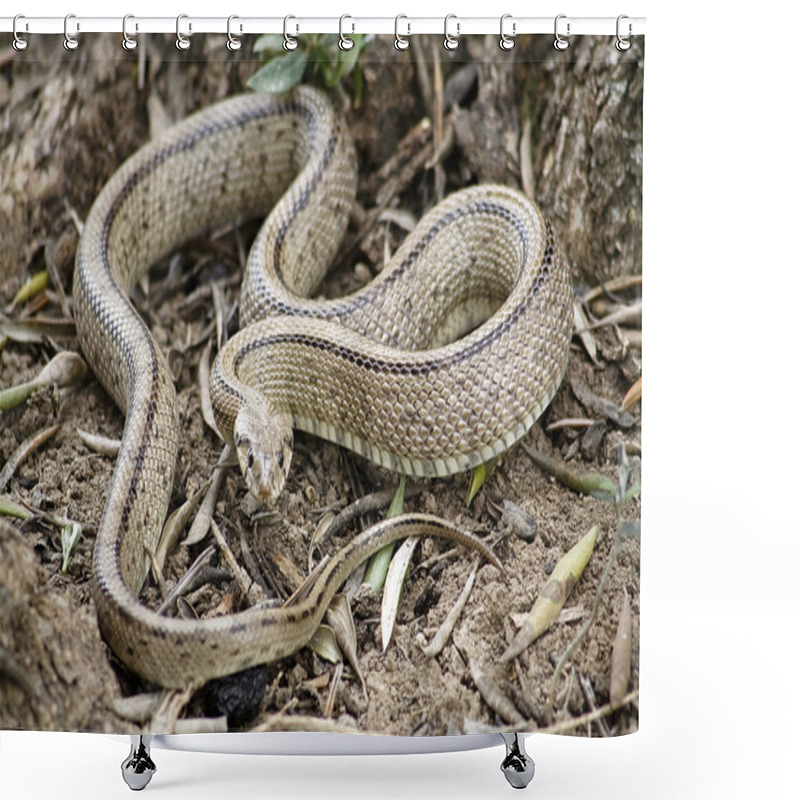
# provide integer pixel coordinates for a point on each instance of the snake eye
(280, 459)
(250, 460)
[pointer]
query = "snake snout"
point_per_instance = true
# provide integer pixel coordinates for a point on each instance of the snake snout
(264, 452)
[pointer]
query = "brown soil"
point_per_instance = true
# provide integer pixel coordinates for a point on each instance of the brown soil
(65, 125)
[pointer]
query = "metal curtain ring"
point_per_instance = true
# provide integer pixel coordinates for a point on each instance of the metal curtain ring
(623, 43)
(182, 42)
(19, 44)
(507, 42)
(128, 42)
(345, 42)
(70, 42)
(289, 42)
(401, 42)
(561, 42)
(234, 43)
(450, 41)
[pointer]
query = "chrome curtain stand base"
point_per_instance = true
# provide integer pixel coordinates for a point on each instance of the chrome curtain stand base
(138, 768)
(517, 766)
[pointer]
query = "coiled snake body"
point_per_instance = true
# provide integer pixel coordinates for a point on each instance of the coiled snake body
(381, 371)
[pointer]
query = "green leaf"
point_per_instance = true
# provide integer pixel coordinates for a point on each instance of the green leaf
(396, 506)
(70, 536)
(9, 508)
(328, 41)
(35, 284)
(479, 476)
(280, 74)
(378, 565)
(269, 43)
(345, 61)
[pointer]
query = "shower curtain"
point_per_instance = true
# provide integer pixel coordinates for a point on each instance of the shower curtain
(531, 623)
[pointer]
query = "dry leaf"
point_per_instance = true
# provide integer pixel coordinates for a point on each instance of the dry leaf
(551, 599)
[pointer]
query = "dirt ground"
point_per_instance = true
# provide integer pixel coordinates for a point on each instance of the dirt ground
(65, 125)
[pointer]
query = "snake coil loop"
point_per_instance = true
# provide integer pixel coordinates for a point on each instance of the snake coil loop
(439, 409)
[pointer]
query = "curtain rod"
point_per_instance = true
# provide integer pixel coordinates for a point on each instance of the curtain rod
(187, 24)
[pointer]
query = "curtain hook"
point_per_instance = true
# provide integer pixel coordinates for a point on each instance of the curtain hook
(19, 44)
(623, 43)
(345, 42)
(401, 42)
(234, 43)
(289, 42)
(182, 42)
(561, 42)
(128, 42)
(450, 41)
(70, 42)
(507, 42)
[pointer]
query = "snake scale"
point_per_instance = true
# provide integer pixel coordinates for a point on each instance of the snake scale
(444, 360)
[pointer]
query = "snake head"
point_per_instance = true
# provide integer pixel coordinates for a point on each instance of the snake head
(264, 450)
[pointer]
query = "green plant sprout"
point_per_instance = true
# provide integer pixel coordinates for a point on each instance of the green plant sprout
(319, 60)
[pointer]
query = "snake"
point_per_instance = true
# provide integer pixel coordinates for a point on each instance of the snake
(443, 361)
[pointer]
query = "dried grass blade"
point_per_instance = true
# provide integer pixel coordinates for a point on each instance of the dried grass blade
(333, 690)
(203, 376)
(323, 643)
(187, 581)
(340, 618)
(618, 284)
(202, 520)
(172, 704)
(592, 483)
(303, 723)
(494, 697)
(64, 369)
(436, 645)
(249, 587)
(100, 444)
(553, 595)
(219, 314)
(136, 708)
(37, 330)
(633, 395)
(570, 422)
(621, 655)
(583, 331)
(29, 446)
(364, 505)
(200, 725)
(395, 577)
(601, 406)
(175, 524)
